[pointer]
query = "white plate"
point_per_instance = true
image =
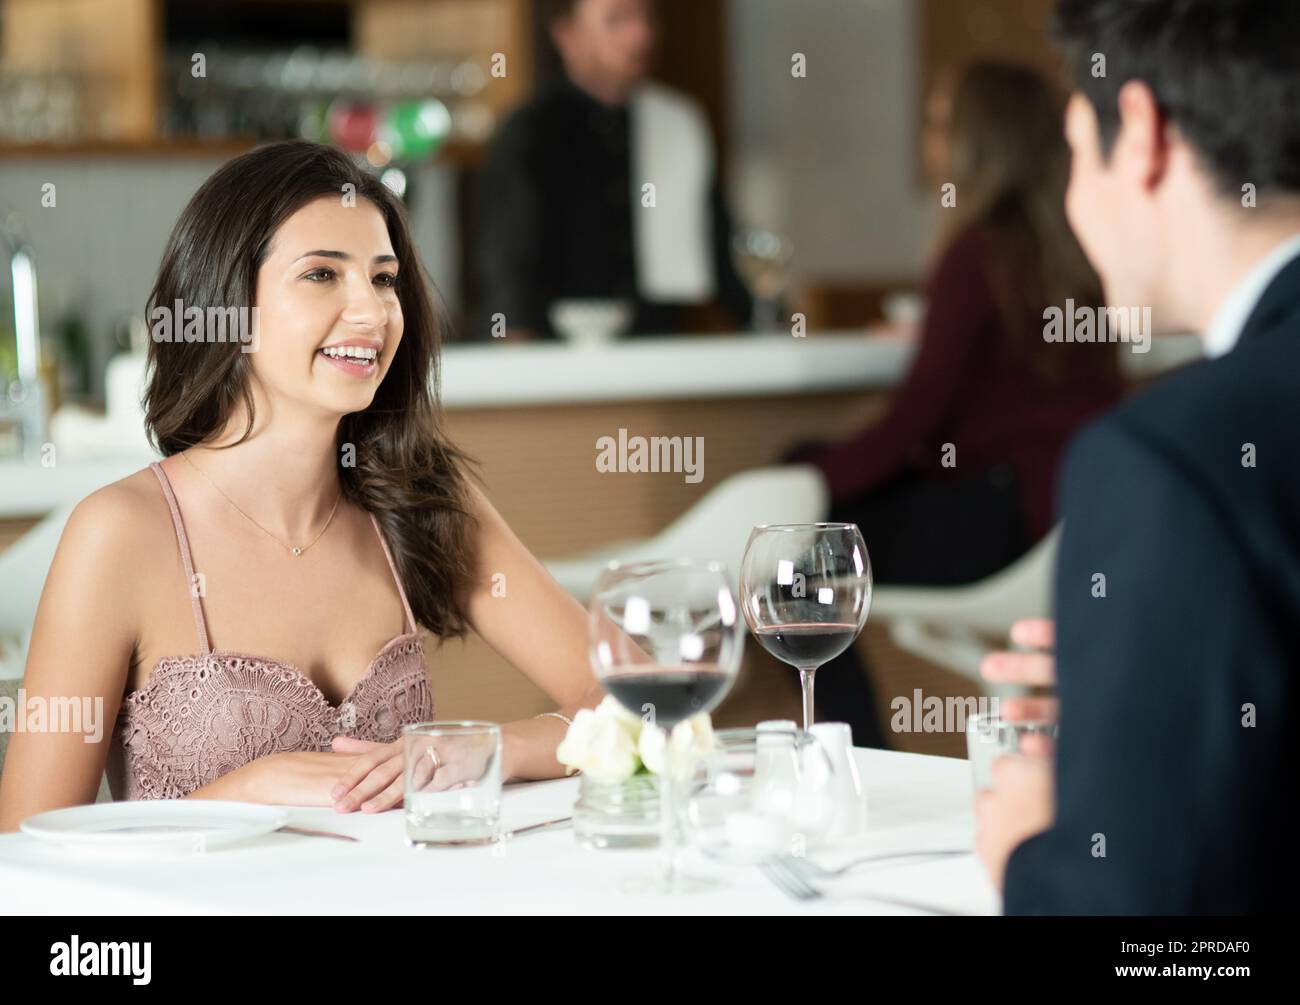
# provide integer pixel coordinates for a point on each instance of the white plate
(150, 827)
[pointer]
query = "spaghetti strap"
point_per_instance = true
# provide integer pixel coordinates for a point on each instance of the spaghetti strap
(406, 606)
(184, 542)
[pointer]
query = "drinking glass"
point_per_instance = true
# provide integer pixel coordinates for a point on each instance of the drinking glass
(763, 792)
(805, 590)
(989, 736)
(665, 640)
(452, 776)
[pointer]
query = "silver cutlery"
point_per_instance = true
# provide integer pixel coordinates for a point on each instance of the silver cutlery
(798, 888)
(558, 821)
(309, 832)
(812, 871)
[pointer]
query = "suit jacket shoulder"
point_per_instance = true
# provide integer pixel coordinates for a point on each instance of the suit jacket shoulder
(1230, 427)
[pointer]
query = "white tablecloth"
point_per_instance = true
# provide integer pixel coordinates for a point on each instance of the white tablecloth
(914, 802)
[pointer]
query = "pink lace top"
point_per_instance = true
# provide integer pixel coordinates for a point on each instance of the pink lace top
(200, 717)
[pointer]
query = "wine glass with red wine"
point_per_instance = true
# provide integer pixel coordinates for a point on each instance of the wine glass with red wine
(665, 639)
(806, 590)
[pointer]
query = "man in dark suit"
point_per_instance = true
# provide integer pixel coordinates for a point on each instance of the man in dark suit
(1178, 586)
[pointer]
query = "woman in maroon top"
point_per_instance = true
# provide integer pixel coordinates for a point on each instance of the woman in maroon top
(956, 481)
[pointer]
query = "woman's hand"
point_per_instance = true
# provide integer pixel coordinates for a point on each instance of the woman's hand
(292, 778)
(375, 782)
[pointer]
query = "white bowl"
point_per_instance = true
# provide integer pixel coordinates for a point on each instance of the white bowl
(590, 322)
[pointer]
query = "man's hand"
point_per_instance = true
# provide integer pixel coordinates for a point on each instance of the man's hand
(1037, 669)
(1020, 804)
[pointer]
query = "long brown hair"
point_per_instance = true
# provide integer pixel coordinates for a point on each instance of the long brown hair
(406, 471)
(1010, 163)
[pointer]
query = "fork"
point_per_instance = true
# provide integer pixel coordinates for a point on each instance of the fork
(796, 887)
(812, 870)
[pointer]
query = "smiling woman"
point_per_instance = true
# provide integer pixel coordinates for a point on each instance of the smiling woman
(247, 237)
(316, 506)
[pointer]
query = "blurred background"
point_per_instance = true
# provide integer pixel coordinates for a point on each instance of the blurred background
(779, 307)
(97, 97)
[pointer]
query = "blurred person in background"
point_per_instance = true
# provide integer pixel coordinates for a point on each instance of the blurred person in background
(565, 213)
(955, 482)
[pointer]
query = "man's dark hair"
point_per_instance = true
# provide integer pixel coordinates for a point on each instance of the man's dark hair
(1225, 72)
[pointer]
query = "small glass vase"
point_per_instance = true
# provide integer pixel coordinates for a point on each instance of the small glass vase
(618, 815)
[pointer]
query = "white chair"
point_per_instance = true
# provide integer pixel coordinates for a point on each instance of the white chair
(23, 568)
(943, 625)
(716, 527)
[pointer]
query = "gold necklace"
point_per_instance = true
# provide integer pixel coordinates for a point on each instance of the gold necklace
(291, 548)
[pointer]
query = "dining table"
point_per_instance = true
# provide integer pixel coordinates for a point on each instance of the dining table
(915, 803)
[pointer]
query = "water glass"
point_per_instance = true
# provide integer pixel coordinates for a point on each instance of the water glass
(989, 737)
(452, 783)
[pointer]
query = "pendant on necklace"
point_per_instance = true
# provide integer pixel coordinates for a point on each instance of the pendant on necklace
(297, 551)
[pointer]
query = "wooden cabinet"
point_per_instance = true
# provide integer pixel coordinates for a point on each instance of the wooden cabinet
(109, 49)
(483, 31)
(111, 53)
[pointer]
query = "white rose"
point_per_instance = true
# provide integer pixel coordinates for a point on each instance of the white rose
(601, 743)
(614, 708)
(652, 746)
(692, 740)
(696, 735)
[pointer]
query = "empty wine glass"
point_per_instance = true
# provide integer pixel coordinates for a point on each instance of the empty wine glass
(806, 590)
(761, 257)
(665, 640)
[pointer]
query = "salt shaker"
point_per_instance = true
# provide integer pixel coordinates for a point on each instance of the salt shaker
(850, 797)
